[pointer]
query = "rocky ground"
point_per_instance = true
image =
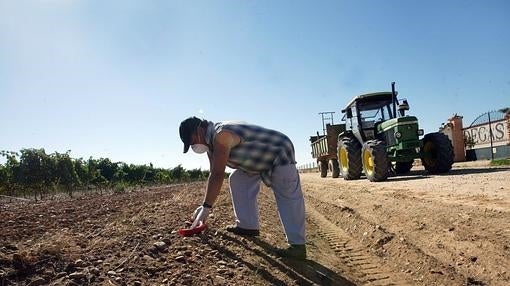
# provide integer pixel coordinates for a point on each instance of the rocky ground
(416, 229)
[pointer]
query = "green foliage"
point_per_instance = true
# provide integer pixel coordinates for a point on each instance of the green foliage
(500, 162)
(196, 174)
(10, 173)
(37, 170)
(3, 178)
(469, 142)
(120, 188)
(82, 171)
(33, 172)
(65, 171)
(505, 110)
(107, 169)
(179, 173)
(163, 176)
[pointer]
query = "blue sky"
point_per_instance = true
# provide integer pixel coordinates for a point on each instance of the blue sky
(115, 78)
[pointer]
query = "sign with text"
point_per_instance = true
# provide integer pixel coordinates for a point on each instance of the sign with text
(481, 134)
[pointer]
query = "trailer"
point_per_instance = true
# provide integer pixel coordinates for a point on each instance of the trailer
(324, 149)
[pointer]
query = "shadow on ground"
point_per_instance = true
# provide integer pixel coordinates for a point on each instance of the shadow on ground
(303, 272)
(422, 174)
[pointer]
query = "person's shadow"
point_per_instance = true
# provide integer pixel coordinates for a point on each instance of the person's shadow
(303, 272)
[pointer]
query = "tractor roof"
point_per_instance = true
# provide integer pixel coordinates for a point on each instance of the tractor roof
(375, 96)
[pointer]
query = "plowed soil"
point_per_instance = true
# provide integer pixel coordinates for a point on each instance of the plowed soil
(416, 229)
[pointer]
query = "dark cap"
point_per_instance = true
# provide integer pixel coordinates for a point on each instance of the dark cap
(187, 128)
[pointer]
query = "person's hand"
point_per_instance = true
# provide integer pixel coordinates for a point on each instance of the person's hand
(200, 215)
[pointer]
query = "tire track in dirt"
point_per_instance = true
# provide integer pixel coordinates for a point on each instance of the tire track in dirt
(363, 266)
(402, 259)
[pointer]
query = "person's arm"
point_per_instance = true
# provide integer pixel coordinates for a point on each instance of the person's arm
(223, 142)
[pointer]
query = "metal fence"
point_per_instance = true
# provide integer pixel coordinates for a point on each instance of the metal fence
(308, 167)
(489, 136)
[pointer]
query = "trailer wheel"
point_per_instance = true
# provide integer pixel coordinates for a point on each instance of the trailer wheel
(437, 153)
(375, 160)
(335, 168)
(349, 157)
(323, 167)
(403, 167)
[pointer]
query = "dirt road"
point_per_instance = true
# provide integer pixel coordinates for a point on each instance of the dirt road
(416, 229)
(410, 230)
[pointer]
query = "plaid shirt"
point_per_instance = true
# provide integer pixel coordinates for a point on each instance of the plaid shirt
(259, 151)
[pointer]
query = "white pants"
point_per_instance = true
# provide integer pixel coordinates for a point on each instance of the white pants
(244, 188)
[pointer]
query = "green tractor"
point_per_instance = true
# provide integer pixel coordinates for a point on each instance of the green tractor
(380, 138)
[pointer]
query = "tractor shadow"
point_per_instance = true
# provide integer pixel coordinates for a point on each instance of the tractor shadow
(422, 174)
(475, 170)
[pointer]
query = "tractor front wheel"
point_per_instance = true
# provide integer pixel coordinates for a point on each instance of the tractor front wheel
(375, 160)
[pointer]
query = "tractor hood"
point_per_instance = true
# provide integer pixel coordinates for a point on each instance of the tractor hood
(396, 122)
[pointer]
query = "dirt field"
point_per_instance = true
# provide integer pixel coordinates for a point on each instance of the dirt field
(411, 230)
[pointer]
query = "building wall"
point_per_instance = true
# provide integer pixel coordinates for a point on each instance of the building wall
(453, 129)
(500, 152)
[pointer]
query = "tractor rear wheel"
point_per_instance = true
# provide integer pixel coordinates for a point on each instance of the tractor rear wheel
(437, 153)
(335, 169)
(323, 167)
(403, 167)
(375, 160)
(349, 157)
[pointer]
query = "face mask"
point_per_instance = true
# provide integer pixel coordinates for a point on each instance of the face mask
(199, 148)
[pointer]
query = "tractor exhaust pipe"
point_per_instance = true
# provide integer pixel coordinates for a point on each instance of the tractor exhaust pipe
(394, 98)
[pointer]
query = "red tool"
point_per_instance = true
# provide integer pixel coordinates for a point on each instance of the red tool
(191, 231)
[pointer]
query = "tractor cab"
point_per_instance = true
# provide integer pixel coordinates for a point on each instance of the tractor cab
(366, 112)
